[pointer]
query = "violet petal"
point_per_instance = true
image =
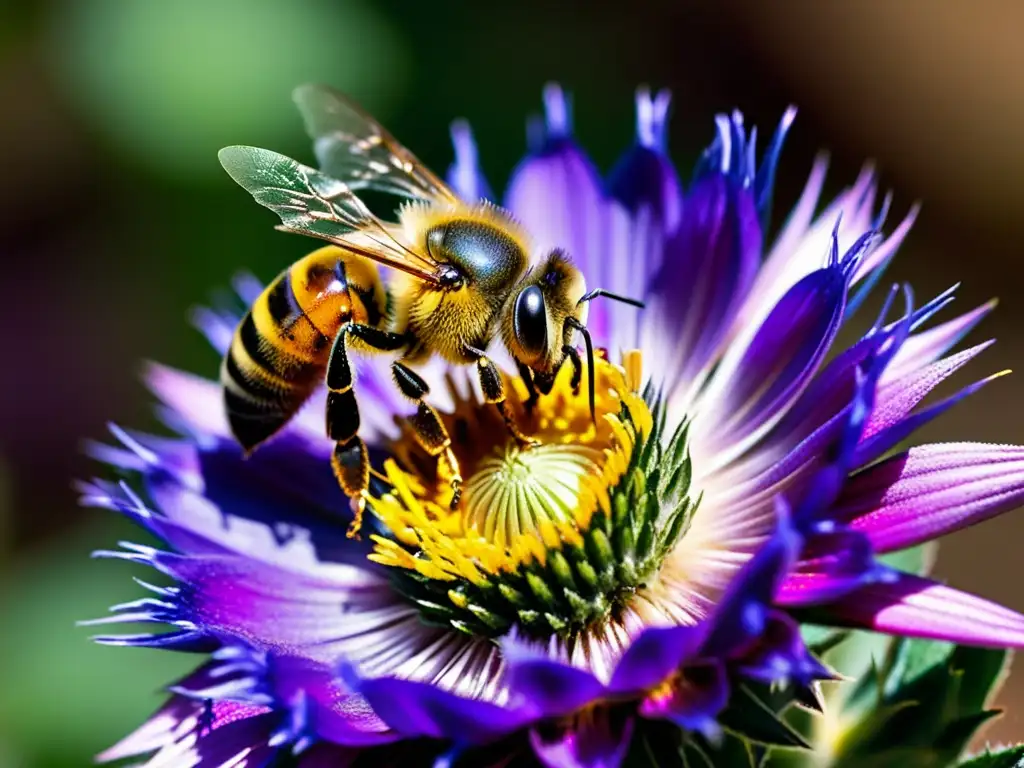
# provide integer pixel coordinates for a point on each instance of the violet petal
(931, 490)
(598, 740)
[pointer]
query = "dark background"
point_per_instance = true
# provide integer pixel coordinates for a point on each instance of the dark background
(115, 219)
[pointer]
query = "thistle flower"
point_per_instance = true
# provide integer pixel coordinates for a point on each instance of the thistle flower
(651, 566)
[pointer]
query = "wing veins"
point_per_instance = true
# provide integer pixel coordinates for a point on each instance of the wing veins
(350, 144)
(312, 203)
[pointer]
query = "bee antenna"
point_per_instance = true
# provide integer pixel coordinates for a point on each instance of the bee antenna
(609, 295)
(572, 322)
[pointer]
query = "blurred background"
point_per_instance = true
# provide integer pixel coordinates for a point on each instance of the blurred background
(115, 219)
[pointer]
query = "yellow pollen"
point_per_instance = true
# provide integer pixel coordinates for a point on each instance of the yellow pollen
(519, 504)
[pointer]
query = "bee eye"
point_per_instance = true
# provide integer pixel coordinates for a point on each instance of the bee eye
(530, 321)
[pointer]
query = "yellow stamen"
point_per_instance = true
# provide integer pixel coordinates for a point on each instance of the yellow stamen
(519, 504)
(632, 361)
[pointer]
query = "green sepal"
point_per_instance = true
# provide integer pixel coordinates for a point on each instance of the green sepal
(662, 744)
(1011, 757)
(756, 714)
(929, 700)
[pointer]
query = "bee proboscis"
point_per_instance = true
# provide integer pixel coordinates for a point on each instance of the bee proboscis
(460, 273)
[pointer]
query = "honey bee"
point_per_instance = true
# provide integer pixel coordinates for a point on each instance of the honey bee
(460, 273)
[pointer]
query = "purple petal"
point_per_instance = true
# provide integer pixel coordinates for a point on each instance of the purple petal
(199, 402)
(927, 346)
(217, 325)
(645, 183)
(310, 621)
(238, 742)
(885, 439)
(752, 392)
(802, 246)
(692, 700)
(743, 611)
(595, 740)
(795, 229)
(645, 178)
(322, 613)
(464, 175)
(877, 260)
(780, 655)
(929, 491)
(709, 265)
(335, 713)
(895, 399)
(178, 716)
(831, 565)
(912, 606)
(282, 505)
(834, 402)
(655, 655)
(322, 616)
(545, 684)
(764, 181)
(557, 194)
(422, 709)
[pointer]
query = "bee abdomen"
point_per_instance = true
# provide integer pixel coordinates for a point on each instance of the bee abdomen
(277, 358)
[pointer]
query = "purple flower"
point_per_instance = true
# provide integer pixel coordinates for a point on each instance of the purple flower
(653, 566)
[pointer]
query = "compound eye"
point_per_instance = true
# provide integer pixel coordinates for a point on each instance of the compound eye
(530, 322)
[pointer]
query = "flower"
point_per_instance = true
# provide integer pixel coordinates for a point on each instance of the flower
(653, 564)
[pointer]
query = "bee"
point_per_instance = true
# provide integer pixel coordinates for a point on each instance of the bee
(458, 275)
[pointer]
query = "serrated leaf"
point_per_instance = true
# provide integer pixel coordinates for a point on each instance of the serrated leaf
(933, 704)
(957, 735)
(731, 751)
(985, 670)
(1011, 757)
(863, 738)
(911, 659)
(751, 717)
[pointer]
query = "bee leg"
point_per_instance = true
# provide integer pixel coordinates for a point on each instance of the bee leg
(494, 392)
(526, 374)
(577, 367)
(427, 427)
(350, 461)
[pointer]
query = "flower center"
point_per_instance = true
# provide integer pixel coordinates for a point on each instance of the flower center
(553, 538)
(514, 491)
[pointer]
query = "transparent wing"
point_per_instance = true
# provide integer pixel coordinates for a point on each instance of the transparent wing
(352, 146)
(312, 203)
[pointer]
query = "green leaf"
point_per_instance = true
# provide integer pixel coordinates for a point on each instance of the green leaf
(1011, 757)
(934, 696)
(916, 560)
(910, 659)
(957, 735)
(731, 751)
(864, 736)
(820, 640)
(656, 744)
(750, 715)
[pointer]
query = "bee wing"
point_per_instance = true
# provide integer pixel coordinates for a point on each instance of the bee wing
(312, 203)
(352, 146)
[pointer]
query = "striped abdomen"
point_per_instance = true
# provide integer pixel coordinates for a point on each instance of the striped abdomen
(280, 350)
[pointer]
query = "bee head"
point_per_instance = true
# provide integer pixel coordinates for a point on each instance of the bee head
(536, 329)
(548, 307)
